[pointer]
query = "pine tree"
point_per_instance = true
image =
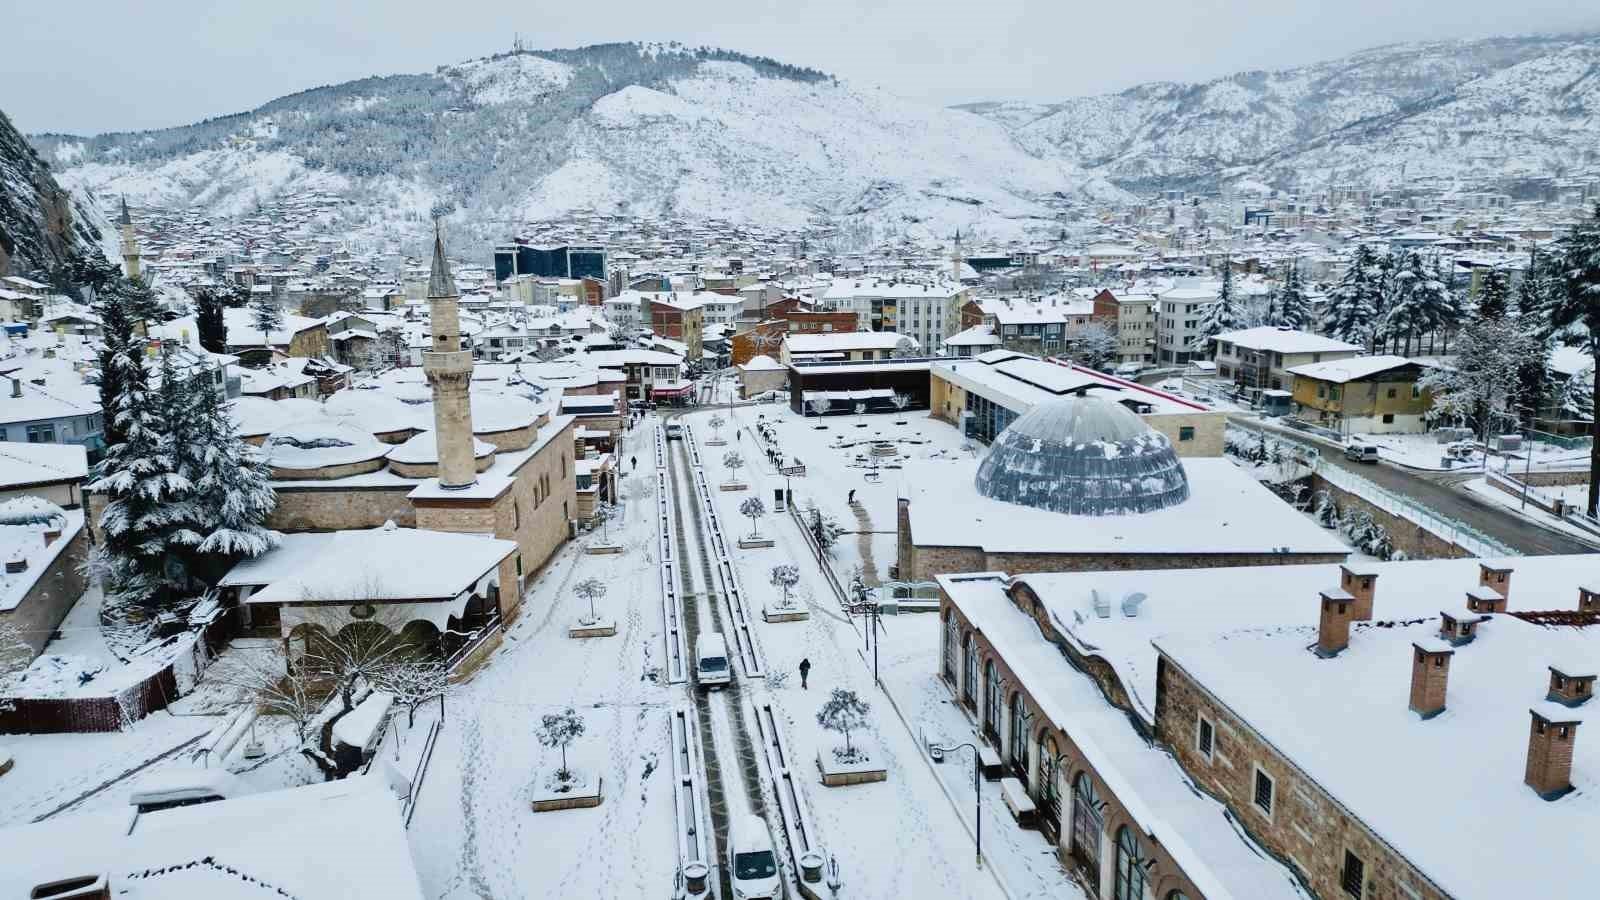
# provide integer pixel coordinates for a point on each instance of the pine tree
(141, 300)
(1437, 307)
(208, 319)
(1494, 294)
(1353, 306)
(1576, 304)
(1294, 308)
(118, 346)
(1219, 316)
(266, 316)
(232, 486)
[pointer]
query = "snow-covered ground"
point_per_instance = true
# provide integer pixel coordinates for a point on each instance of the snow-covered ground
(1574, 495)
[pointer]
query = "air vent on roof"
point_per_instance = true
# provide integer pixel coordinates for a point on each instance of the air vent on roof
(1131, 603)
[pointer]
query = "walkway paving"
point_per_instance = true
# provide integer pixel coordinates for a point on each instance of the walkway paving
(869, 566)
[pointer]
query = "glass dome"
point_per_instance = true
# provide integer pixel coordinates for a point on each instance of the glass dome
(1083, 456)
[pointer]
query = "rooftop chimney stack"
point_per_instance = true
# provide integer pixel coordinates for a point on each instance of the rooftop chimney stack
(1588, 599)
(1485, 599)
(1360, 584)
(1333, 627)
(1551, 736)
(1495, 577)
(1571, 686)
(1430, 675)
(1459, 626)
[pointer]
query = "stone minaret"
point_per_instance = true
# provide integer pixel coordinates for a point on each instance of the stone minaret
(130, 242)
(449, 371)
(956, 259)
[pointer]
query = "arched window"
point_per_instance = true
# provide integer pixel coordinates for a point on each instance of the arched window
(1019, 737)
(1087, 822)
(969, 673)
(1049, 789)
(950, 646)
(1177, 895)
(1130, 868)
(991, 703)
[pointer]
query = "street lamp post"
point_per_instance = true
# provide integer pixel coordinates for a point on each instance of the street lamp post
(977, 790)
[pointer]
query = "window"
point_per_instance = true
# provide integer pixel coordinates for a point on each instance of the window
(1086, 822)
(1322, 390)
(1333, 393)
(970, 671)
(1391, 393)
(1185, 432)
(1416, 392)
(1263, 793)
(991, 703)
(42, 434)
(516, 514)
(1388, 418)
(950, 646)
(1205, 736)
(1019, 737)
(1130, 869)
(1353, 877)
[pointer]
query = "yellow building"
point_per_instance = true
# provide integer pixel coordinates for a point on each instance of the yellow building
(1368, 394)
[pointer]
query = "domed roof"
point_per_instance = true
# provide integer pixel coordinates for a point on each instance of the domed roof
(422, 448)
(375, 411)
(1083, 456)
(256, 415)
(319, 443)
(496, 411)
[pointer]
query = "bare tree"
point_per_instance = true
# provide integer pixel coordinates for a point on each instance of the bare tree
(716, 424)
(785, 577)
(560, 730)
(266, 679)
(753, 509)
(844, 713)
(734, 462)
(820, 406)
(590, 590)
(901, 401)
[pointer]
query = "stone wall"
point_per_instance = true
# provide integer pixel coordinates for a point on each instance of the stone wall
(1207, 436)
(335, 508)
(329, 473)
(921, 563)
(1406, 535)
(47, 603)
(1307, 828)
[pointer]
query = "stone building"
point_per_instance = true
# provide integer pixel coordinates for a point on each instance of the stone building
(1083, 484)
(42, 577)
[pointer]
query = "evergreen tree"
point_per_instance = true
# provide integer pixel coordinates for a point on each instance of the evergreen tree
(1437, 306)
(1353, 306)
(1575, 305)
(141, 301)
(1494, 294)
(119, 349)
(232, 486)
(208, 320)
(1219, 316)
(1294, 308)
(266, 316)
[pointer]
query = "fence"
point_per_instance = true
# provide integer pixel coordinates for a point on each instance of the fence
(1473, 541)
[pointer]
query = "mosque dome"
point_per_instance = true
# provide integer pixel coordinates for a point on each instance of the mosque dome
(1083, 456)
(321, 443)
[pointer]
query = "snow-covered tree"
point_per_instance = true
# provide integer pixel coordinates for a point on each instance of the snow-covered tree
(264, 677)
(753, 509)
(233, 493)
(120, 352)
(820, 406)
(265, 315)
(1575, 308)
(1577, 395)
(785, 577)
(716, 422)
(844, 713)
(1093, 345)
(1494, 293)
(901, 401)
(208, 318)
(602, 516)
(904, 348)
(1293, 306)
(589, 590)
(823, 527)
(559, 730)
(733, 461)
(1218, 316)
(1352, 309)
(1481, 388)
(414, 683)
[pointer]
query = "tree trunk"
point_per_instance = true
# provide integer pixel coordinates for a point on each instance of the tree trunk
(1594, 430)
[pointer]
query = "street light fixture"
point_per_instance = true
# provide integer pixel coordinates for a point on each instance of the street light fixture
(937, 754)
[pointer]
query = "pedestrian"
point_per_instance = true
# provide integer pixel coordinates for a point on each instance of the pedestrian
(852, 500)
(805, 672)
(635, 461)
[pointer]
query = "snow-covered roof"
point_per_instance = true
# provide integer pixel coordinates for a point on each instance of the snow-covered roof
(294, 842)
(1354, 369)
(388, 564)
(976, 336)
(422, 449)
(24, 464)
(1018, 382)
(1054, 310)
(761, 363)
(319, 443)
(1284, 340)
(837, 341)
(27, 542)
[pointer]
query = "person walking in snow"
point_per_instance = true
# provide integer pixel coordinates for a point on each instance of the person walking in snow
(805, 672)
(635, 461)
(852, 500)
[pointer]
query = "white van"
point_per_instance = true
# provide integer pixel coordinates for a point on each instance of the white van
(752, 865)
(711, 667)
(1361, 453)
(674, 431)
(184, 787)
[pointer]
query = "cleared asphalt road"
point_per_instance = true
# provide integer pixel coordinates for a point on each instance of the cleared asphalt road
(1446, 500)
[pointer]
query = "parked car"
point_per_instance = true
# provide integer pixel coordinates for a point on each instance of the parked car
(1361, 452)
(711, 661)
(674, 431)
(752, 864)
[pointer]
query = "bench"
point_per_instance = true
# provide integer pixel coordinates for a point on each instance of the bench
(989, 762)
(1018, 801)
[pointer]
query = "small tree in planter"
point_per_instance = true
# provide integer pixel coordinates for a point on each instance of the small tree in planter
(901, 401)
(560, 730)
(734, 462)
(784, 578)
(590, 590)
(820, 407)
(716, 424)
(603, 514)
(753, 509)
(861, 410)
(843, 713)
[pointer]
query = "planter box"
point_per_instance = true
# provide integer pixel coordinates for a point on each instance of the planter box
(596, 549)
(716, 443)
(785, 614)
(734, 486)
(603, 628)
(583, 793)
(838, 774)
(755, 543)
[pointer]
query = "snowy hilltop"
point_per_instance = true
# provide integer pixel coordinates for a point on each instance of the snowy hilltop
(640, 129)
(1446, 112)
(42, 227)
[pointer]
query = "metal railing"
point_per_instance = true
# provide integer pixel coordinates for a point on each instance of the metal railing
(1462, 535)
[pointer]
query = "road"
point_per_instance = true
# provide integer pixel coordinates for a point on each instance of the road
(1439, 492)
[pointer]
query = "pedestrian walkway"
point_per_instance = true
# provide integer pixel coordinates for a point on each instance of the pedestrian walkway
(869, 567)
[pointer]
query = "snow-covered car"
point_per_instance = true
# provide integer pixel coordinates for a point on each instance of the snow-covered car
(752, 864)
(184, 787)
(1360, 452)
(711, 660)
(674, 431)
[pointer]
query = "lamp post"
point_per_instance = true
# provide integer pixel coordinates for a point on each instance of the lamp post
(977, 790)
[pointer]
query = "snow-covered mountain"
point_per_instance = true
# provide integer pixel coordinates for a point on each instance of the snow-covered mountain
(643, 129)
(1455, 111)
(42, 227)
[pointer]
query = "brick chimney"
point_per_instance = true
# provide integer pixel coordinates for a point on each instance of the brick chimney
(51, 535)
(1458, 627)
(82, 887)
(1588, 599)
(1551, 736)
(1359, 583)
(1333, 626)
(1430, 674)
(15, 564)
(1484, 599)
(1571, 685)
(1495, 577)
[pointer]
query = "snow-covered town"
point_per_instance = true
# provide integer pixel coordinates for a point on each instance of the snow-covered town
(1155, 522)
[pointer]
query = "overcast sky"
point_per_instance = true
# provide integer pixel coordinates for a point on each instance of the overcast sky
(105, 65)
